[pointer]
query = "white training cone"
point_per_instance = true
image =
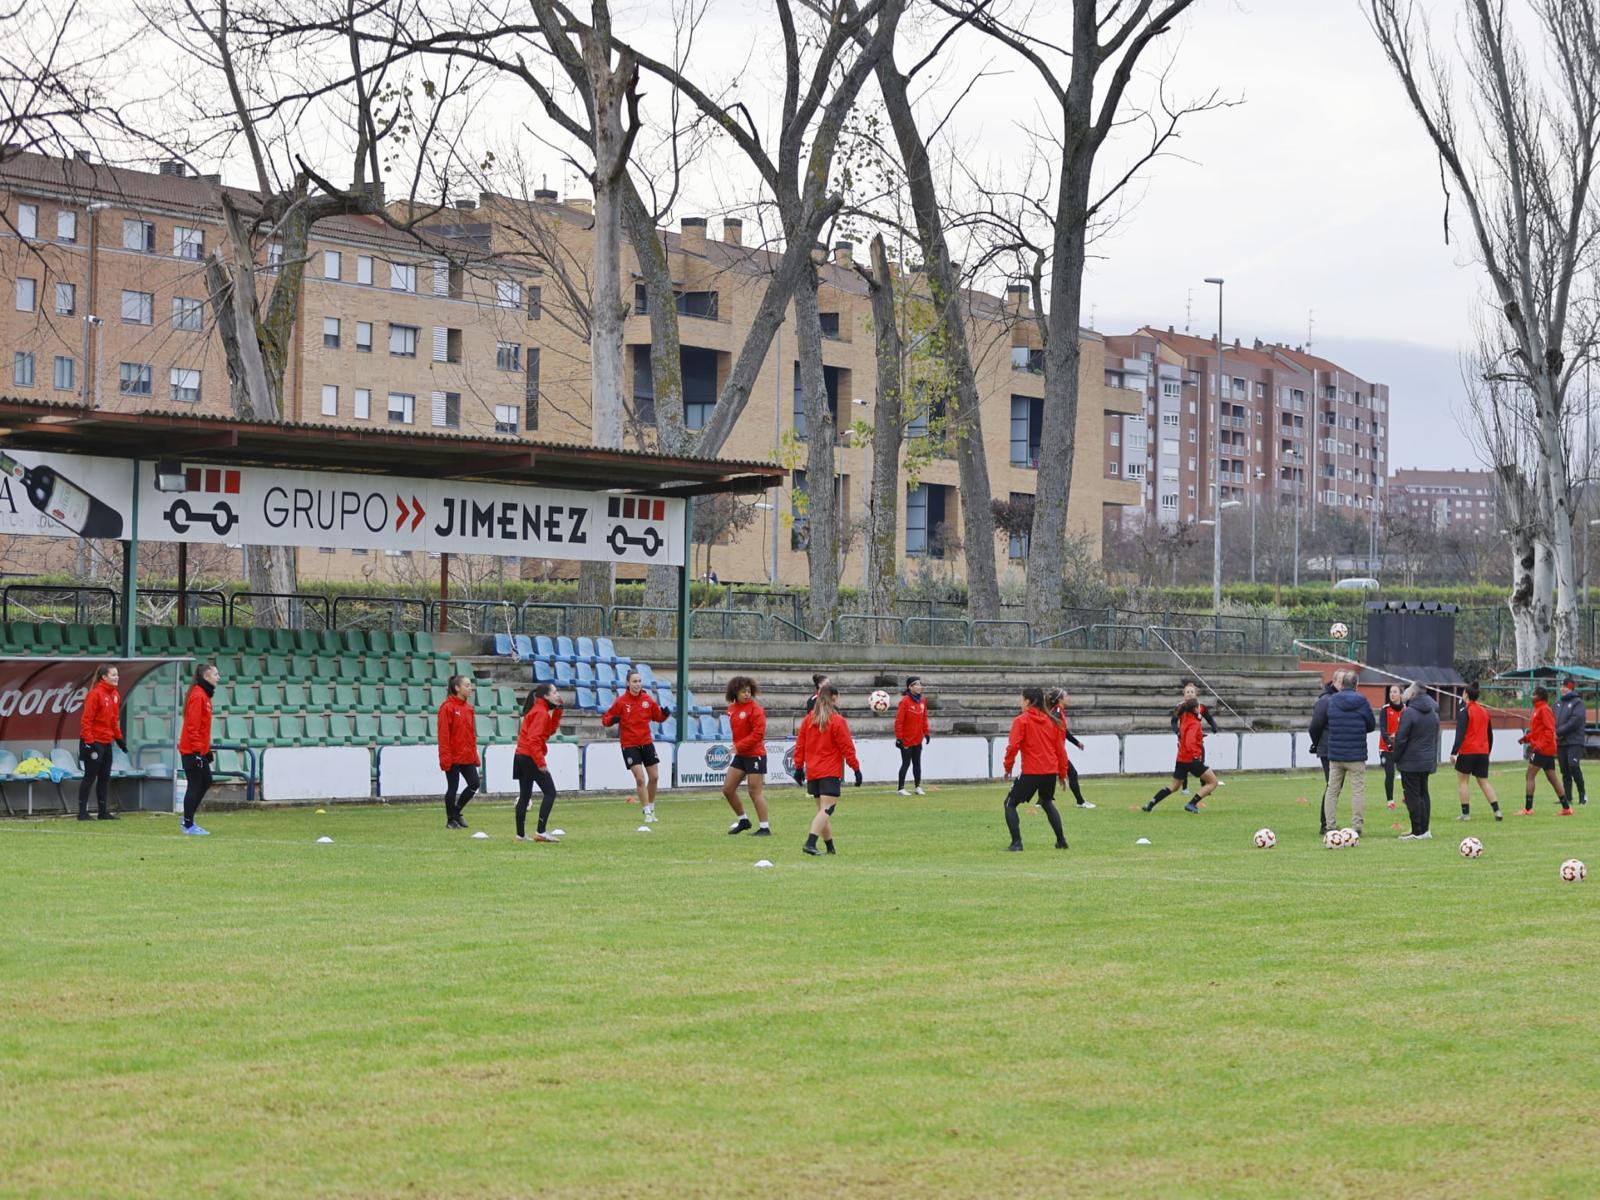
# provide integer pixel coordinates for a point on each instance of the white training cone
(764, 863)
(324, 840)
(556, 833)
(480, 835)
(644, 829)
(1142, 842)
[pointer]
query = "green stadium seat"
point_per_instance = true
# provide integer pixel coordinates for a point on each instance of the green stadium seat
(422, 642)
(340, 731)
(319, 697)
(366, 727)
(296, 698)
(368, 698)
(145, 638)
(506, 730)
(330, 643)
(316, 729)
(76, 638)
(325, 669)
(391, 728)
(372, 670)
(236, 729)
(48, 638)
(244, 696)
(208, 638)
(391, 697)
(282, 641)
(417, 698)
(271, 697)
(292, 729)
(355, 641)
(462, 667)
(300, 666)
(378, 642)
(103, 638)
(505, 698)
(441, 671)
(307, 641)
(22, 636)
(181, 638)
(349, 669)
(230, 760)
(416, 729)
(235, 639)
(258, 641)
(344, 698)
(400, 643)
(263, 730)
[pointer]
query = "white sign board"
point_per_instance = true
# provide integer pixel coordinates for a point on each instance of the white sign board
(603, 770)
(412, 771)
(1101, 754)
(64, 495)
(561, 760)
(316, 773)
(704, 764)
(258, 506)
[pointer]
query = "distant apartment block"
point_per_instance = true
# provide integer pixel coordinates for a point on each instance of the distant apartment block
(1454, 501)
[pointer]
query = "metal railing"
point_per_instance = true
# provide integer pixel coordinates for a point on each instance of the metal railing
(792, 631)
(84, 613)
(296, 607)
(1023, 637)
(369, 612)
(474, 616)
(865, 629)
(198, 602)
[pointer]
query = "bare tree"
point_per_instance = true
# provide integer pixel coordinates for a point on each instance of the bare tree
(888, 433)
(1523, 168)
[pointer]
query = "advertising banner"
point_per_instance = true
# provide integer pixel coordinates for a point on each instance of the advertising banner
(703, 764)
(41, 699)
(257, 506)
(64, 495)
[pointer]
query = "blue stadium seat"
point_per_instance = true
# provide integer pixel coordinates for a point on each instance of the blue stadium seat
(646, 674)
(708, 729)
(543, 646)
(604, 651)
(503, 647)
(543, 672)
(695, 706)
(585, 672)
(522, 644)
(724, 728)
(586, 698)
(606, 673)
(586, 650)
(564, 672)
(564, 649)
(664, 697)
(607, 697)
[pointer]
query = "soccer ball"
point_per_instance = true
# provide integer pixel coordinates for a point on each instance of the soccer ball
(1351, 837)
(1573, 871)
(1471, 847)
(1334, 839)
(1266, 839)
(1339, 630)
(879, 700)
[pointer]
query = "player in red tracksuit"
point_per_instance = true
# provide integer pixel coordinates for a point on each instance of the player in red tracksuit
(541, 714)
(1187, 721)
(1470, 753)
(458, 749)
(194, 744)
(1037, 740)
(1541, 742)
(1056, 701)
(632, 711)
(1388, 723)
(748, 720)
(911, 733)
(102, 725)
(824, 748)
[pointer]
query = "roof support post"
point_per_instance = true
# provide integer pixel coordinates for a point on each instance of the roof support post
(684, 582)
(130, 576)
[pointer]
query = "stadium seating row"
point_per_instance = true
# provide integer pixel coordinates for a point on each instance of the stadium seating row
(49, 638)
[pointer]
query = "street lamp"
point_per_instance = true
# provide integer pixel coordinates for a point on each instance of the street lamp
(1216, 459)
(1595, 521)
(1260, 475)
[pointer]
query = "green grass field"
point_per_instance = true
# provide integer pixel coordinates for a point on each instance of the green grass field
(408, 1012)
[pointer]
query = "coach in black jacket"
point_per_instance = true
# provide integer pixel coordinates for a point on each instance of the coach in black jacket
(1416, 757)
(1572, 722)
(1319, 723)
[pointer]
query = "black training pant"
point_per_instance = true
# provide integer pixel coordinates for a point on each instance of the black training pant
(1414, 786)
(96, 760)
(197, 770)
(911, 756)
(533, 774)
(1025, 789)
(1572, 770)
(464, 773)
(1322, 825)
(1072, 782)
(1388, 776)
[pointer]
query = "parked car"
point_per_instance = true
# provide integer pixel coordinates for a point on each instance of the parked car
(1356, 584)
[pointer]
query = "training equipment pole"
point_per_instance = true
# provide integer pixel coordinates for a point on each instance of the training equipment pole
(130, 575)
(683, 634)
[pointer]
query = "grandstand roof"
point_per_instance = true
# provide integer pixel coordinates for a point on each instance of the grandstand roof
(72, 429)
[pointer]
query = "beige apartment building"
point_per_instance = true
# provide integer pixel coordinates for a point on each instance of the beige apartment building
(473, 325)
(1456, 501)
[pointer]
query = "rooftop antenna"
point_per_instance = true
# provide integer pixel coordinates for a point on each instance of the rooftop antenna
(1092, 310)
(1311, 326)
(1188, 311)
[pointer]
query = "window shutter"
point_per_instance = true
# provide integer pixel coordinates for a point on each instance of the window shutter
(441, 277)
(441, 339)
(440, 418)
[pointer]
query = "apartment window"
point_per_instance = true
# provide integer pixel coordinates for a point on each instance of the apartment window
(505, 418)
(363, 404)
(1027, 423)
(364, 337)
(1170, 499)
(926, 506)
(698, 370)
(22, 369)
(1020, 543)
(1191, 462)
(402, 277)
(66, 374)
(66, 299)
(1169, 445)
(830, 383)
(507, 293)
(454, 345)
(531, 392)
(1112, 468)
(1169, 474)
(332, 264)
(403, 341)
(27, 294)
(133, 379)
(185, 384)
(1171, 389)
(186, 314)
(28, 220)
(330, 333)
(364, 269)
(1137, 441)
(1191, 491)
(829, 321)
(1170, 420)
(330, 400)
(138, 308)
(535, 303)
(66, 226)
(402, 408)
(1024, 359)
(139, 235)
(1116, 438)
(447, 410)
(274, 255)
(187, 243)
(1191, 408)
(507, 356)
(1191, 437)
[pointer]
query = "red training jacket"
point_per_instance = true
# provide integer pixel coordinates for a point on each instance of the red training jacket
(911, 720)
(1477, 740)
(823, 753)
(1541, 733)
(1039, 741)
(101, 707)
(749, 724)
(1191, 736)
(538, 723)
(458, 734)
(634, 714)
(196, 736)
(1391, 722)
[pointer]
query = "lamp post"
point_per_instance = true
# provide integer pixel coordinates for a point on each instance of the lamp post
(1216, 460)
(1216, 542)
(1260, 475)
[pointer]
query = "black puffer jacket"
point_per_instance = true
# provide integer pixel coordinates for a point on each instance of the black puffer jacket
(1416, 741)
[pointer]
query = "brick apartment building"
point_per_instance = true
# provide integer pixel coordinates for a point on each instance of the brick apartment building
(1292, 424)
(1453, 501)
(470, 331)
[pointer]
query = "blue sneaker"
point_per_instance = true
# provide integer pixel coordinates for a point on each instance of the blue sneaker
(1192, 807)
(196, 831)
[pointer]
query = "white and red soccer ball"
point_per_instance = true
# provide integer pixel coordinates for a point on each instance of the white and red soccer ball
(1351, 836)
(1339, 630)
(1334, 839)
(879, 701)
(1265, 839)
(1471, 847)
(1573, 871)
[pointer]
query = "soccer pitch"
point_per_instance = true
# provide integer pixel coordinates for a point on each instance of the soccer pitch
(411, 1012)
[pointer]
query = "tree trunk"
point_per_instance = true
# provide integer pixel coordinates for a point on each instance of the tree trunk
(822, 516)
(1563, 588)
(889, 423)
(977, 515)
